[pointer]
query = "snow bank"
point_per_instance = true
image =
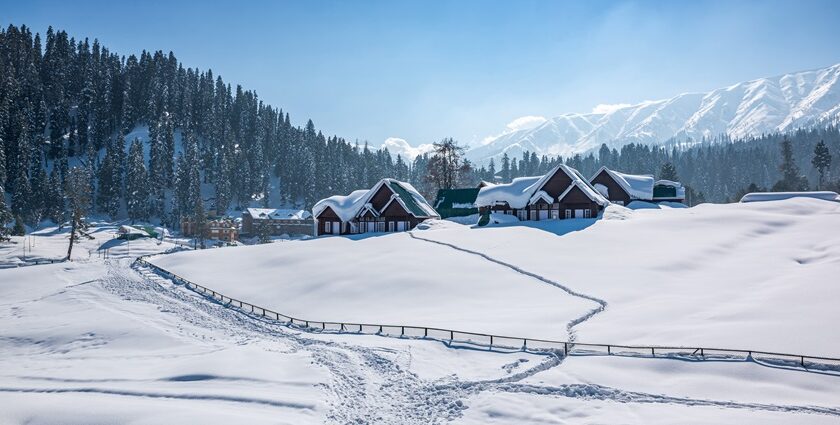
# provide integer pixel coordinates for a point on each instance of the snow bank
(778, 196)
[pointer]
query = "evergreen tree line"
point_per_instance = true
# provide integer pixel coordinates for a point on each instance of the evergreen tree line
(717, 170)
(69, 104)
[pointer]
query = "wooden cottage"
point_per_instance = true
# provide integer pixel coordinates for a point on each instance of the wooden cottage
(390, 206)
(559, 194)
(622, 188)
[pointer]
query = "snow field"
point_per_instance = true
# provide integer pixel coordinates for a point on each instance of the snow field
(741, 276)
(389, 279)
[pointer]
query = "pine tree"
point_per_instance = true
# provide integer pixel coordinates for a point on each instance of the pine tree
(19, 229)
(110, 178)
(506, 171)
(5, 216)
(136, 183)
(792, 180)
(668, 172)
(55, 197)
(821, 161)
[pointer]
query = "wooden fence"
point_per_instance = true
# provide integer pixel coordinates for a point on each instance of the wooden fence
(500, 342)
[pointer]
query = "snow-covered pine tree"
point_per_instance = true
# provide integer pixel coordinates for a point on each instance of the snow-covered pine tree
(136, 183)
(111, 178)
(821, 161)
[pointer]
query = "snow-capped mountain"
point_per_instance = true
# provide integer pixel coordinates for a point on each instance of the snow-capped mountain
(764, 105)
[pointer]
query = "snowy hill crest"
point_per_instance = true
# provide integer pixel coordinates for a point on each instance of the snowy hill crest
(745, 109)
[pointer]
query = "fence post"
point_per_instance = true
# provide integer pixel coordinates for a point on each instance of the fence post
(451, 335)
(652, 351)
(360, 328)
(491, 340)
(402, 330)
(609, 350)
(425, 332)
(802, 360)
(566, 348)
(701, 353)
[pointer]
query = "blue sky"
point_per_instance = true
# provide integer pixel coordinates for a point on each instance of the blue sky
(425, 70)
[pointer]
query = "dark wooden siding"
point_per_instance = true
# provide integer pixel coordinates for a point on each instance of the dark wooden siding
(616, 192)
(381, 197)
(577, 200)
(557, 184)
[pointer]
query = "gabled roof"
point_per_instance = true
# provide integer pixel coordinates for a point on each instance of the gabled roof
(587, 190)
(541, 194)
(637, 186)
(349, 207)
(277, 214)
(518, 193)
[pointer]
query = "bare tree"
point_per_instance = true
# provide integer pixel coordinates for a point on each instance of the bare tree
(78, 192)
(445, 165)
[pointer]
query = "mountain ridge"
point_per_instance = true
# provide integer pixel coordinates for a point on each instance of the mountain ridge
(749, 108)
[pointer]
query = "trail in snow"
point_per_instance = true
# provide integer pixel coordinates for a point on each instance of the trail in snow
(570, 326)
(370, 386)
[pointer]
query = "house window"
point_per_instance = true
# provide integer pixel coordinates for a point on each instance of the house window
(533, 215)
(392, 226)
(587, 213)
(328, 227)
(568, 213)
(509, 212)
(555, 214)
(522, 215)
(380, 226)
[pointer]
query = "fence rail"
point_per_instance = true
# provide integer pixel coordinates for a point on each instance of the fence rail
(27, 263)
(500, 342)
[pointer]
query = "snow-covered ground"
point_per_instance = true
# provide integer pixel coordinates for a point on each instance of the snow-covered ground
(102, 341)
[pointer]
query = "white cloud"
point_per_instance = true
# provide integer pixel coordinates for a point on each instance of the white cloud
(607, 108)
(400, 146)
(526, 122)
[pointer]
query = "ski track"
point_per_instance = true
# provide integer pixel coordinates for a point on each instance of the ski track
(602, 305)
(368, 385)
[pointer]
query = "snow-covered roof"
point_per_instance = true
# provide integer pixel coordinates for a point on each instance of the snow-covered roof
(130, 230)
(516, 193)
(519, 192)
(778, 196)
(638, 186)
(348, 207)
(278, 214)
(345, 207)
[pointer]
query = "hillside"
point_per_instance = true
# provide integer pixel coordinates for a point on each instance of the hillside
(752, 108)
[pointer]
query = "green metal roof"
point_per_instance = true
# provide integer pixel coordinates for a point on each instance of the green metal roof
(409, 201)
(447, 197)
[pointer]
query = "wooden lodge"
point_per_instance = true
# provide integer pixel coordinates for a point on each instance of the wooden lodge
(277, 221)
(559, 194)
(390, 206)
